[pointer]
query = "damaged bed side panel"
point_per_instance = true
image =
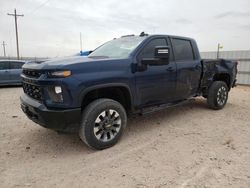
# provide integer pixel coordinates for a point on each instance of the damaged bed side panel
(219, 69)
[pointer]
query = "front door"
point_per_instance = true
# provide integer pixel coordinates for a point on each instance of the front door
(15, 71)
(155, 84)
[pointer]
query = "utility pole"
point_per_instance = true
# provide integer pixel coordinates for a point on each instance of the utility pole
(218, 50)
(80, 42)
(15, 16)
(4, 53)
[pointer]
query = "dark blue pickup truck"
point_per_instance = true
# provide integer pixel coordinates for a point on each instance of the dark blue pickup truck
(129, 75)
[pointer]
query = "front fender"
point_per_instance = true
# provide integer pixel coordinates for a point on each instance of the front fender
(86, 90)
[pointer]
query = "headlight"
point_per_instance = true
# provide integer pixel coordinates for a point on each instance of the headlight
(59, 74)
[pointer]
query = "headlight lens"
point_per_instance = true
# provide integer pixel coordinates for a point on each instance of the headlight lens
(59, 74)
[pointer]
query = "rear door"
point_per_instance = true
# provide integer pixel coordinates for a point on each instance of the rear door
(188, 68)
(4, 72)
(15, 71)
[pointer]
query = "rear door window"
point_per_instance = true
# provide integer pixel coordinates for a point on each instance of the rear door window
(4, 65)
(16, 65)
(182, 49)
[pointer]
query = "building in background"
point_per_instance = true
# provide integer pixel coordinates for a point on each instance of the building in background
(243, 57)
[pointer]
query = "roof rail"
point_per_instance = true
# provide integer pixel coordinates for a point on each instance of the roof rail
(127, 36)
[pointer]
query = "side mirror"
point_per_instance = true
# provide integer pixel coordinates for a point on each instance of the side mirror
(161, 56)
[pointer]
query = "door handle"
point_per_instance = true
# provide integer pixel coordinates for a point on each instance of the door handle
(170, 69)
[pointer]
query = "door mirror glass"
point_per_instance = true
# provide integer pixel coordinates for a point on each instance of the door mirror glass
(162, 52)
(161, 56)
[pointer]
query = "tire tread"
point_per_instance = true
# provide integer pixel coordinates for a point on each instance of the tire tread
(212, 94)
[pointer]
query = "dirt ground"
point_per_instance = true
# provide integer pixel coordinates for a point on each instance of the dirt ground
(187, 146)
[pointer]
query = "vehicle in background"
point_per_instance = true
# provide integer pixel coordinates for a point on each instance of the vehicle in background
(10, 72)
(85, 53)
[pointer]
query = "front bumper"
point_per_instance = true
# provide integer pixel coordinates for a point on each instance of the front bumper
(59, 119)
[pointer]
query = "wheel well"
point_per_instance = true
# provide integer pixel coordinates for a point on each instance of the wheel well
(119, 94)
(223, 77)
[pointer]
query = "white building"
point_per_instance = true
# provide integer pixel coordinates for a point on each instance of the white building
(243, 57)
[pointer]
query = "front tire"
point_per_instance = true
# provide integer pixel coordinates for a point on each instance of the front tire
(103, 122)
(217, 95)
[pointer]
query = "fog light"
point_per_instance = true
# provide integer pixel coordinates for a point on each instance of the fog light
(58, 89)
(55, 93)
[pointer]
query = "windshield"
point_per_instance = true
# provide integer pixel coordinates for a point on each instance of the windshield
(117, 48)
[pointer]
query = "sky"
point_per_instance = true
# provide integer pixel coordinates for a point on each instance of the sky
(51, 28)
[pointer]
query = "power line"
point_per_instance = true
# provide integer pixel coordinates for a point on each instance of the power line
(4, 53)
(38, 7)
(17, 43)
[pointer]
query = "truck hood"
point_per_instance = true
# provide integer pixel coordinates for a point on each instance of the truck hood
(62, 63)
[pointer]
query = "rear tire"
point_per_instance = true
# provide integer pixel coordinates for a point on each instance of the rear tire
(103, 122)
(217, 95)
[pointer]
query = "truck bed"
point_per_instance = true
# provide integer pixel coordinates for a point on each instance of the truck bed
(222, 67)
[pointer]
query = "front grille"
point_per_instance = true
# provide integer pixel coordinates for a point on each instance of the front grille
(33, 91)
(32, 73)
